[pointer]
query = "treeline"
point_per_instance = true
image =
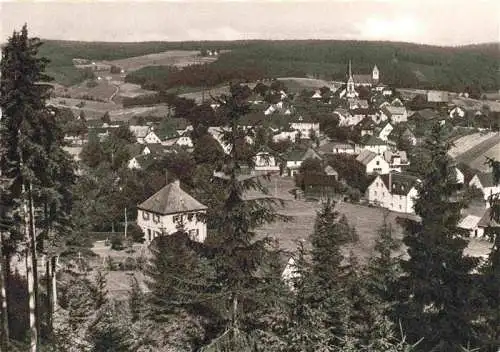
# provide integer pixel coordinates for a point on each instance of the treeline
(206, 75)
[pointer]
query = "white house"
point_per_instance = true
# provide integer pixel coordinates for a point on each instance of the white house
(305, 127)
(285, 135)
(374, 163)
(265, 161)
(457, 111)
(397, 160)
(485, 182)
(339, 148)
(459, 176)
(345, 118)
(385, 131)
(152, 138)
(182, 141)
(394, 191)
(295, 158)
(167, 210)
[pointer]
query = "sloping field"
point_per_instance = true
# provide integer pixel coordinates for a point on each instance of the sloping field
(476, 155)
(297, 83)
(465, 143)
(178, 58)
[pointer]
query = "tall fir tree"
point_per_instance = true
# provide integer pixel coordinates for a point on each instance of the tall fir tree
(437, 287)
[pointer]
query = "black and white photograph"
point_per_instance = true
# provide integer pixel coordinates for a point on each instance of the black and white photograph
(250, 176)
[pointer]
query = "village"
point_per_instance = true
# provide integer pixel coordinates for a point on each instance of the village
(351, 141)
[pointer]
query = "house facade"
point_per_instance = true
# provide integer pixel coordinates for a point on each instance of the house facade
(384, 133)
(170, 209)
(264, 161)
(485, 182)
(373, 163)
(397, 161)
(394, 191)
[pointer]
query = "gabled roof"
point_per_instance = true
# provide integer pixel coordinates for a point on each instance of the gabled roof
(487, 221)
(486, 179)
(367, 124)
(329, 170)
(366, 156)
(139, 131)
(299, 154)
(363, 78)
(372, 140)
(134, 149)
(389, 156)
(156, 148)
(469, 222)
(390, 110)
(171, 199)
(401, 183)
(426, 114)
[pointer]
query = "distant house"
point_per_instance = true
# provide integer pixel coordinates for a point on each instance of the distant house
(169, 209)
(140, 132)
(437, 96)
(394, 191)
(459, 176)
(457, 111)
(366, 127)
(141, 162)
(470, 224)
(334, 147)
(485, 182)
(385, 131)
(373, 163)
(285, 135)
(374, 144)
(487, 221)
(305, 126)
(403, 132)
(152, 138)
(330, 171)
(345, 118)
(182, 141)
(294, 159)
(265, 161)
(395, 114)
(397, 161)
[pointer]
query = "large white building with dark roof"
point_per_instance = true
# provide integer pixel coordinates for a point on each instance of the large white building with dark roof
(169, 209)
(394, 191)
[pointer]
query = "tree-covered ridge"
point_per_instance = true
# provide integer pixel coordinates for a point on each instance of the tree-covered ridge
(401, 64)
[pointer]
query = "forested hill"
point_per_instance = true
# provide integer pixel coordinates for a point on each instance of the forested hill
(402, 64)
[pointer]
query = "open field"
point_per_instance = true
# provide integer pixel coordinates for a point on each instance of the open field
(127, 113)
(475, 156)
(365, 219)
(178, 58)
(465, 143)
(296, 84)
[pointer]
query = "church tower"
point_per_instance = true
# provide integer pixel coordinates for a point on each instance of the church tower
(350, 91)
(375, 74)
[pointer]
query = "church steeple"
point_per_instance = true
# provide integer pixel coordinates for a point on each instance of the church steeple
(350, 91)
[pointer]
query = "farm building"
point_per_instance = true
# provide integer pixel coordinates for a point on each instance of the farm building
(295, 158)
(169, 209)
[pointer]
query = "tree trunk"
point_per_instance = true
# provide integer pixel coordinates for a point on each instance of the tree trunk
(33, 331)
(4, 315)
(34, 261)
(48, 285)
(53, 263)
(126, 223)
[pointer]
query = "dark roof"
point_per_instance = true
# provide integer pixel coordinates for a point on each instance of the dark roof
(400, 183)
(171, 199)
(363, 78)
(426, 114)
(366, 156)
(367, 123)
(372, 140)
(486, 179)
(134, 149)
(487, 221)
(156, 148)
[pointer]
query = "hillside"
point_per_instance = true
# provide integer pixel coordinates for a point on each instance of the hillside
(402, 64)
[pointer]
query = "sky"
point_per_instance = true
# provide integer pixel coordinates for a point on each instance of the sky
(437, 22)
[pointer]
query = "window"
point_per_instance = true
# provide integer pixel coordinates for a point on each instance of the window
(145, 215)
(399, 206)
(383, 194)
(149, 235)
(378, 163)
(375, 193)
(156, 218)
(193, 234)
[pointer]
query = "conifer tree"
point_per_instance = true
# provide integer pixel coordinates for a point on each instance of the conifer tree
(238, 253)
(437, 285)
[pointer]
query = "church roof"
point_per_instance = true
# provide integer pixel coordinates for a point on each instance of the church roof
(363, 79)
(171, 199)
